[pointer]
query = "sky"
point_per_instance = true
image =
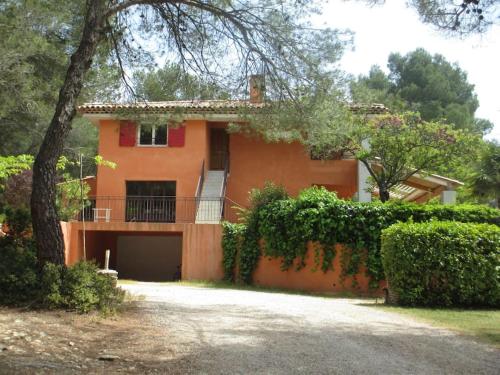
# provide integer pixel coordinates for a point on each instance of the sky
(393, 27)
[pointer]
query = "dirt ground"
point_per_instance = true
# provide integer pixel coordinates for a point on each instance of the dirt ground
(187, 330)
(64, 342)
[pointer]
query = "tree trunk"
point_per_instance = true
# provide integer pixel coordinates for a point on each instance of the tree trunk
(46, 226)
(383, 193)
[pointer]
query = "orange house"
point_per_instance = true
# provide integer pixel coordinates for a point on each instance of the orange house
(159, 211)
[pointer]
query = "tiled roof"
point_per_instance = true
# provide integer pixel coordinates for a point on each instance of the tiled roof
(200, 106)
(189, 106)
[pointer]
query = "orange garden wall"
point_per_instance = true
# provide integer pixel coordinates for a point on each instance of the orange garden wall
(269, 274)
(202, 252)
(202, 256)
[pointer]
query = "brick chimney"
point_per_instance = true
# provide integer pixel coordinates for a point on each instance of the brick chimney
(257, 88)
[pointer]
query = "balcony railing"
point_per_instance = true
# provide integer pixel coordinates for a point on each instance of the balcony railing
(157, 209)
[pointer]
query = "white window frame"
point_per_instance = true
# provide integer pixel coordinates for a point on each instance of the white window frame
(153, 133)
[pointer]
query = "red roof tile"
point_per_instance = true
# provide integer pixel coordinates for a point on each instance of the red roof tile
(200, 106)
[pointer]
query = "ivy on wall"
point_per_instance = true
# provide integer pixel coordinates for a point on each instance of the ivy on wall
(280, 227)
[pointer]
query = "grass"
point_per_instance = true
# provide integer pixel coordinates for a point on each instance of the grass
(480, 323)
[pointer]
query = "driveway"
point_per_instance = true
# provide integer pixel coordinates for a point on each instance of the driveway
(222, 331)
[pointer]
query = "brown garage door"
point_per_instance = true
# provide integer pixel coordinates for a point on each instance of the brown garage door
(149, 258)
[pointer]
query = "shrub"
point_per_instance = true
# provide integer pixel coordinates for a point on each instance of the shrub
(18, 273)
(78, 287)
(18, 276)
(316, 215)
(443, 263)
(50, 286)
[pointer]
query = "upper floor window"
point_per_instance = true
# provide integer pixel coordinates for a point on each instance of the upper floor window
(152, 135)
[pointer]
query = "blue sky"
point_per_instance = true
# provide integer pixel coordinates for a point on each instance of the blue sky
(393, 27)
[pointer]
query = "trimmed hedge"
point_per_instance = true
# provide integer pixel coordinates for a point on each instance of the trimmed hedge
(443, 263)
(286, 225)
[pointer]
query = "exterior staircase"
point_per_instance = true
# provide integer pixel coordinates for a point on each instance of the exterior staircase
(211, 200)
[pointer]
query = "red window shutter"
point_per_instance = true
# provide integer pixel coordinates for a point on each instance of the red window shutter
(127, 134)
(176, 136)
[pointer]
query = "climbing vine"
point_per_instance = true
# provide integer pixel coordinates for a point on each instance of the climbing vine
(280, 227)
(231, 242)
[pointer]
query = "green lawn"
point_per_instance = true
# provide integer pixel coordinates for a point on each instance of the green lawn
(482, 324)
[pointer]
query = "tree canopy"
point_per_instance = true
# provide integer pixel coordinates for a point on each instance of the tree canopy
(485, 178)
(173, 83)
(428, 84)
(455, 17)
(36, 39)
(392, 147)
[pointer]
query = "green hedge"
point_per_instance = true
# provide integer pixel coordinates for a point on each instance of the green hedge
(443, 263)
(286, 225)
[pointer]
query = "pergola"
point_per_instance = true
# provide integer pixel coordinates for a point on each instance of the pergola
(420, 188)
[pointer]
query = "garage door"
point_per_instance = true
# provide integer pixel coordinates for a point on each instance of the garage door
(149, 258)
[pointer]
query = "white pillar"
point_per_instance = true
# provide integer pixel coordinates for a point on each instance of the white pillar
(364, 195)
(448, 197)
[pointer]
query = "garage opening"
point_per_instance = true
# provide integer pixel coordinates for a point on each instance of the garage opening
(149, 258)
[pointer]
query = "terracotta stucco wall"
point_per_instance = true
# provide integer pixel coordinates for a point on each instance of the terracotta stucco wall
(202, 252)
(269, 274)
(253, 162)
(180, 164)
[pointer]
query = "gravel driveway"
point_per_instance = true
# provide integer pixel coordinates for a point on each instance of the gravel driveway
(221, 331)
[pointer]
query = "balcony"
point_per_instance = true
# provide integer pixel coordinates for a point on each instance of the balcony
(154, 209)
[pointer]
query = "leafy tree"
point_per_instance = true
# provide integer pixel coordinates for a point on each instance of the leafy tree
(457, 18)
(393, 148)
(222, 39)
(37, 36)
(485, 181)
(428, 84)
(12, 165)
(172, 82)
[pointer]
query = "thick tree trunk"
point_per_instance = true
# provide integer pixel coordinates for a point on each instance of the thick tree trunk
(46, 227)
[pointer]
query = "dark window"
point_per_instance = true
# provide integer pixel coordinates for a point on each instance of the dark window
(151, 201)
(160, 135)
(153, 135)
(151, 188)
(146, 135)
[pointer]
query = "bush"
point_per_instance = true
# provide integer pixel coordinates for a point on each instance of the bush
(316, 215)
(50, 286)
(78, 287)
(18, 273)
(443, 263)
